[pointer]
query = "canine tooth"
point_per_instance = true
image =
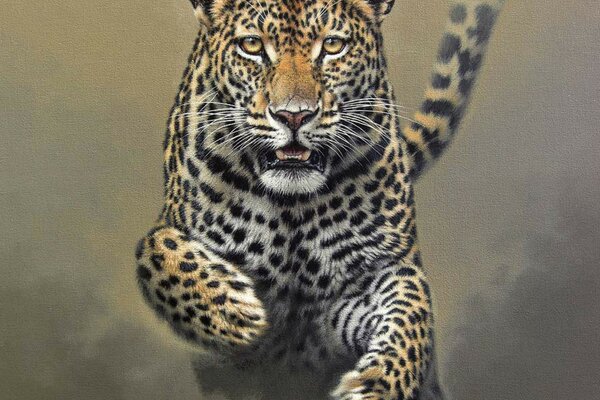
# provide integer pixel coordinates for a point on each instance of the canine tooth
(305, 155)
(281, 155)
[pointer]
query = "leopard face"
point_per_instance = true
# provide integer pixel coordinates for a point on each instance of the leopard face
(288, 76)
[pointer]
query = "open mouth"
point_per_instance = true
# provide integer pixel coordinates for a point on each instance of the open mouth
(293, 156)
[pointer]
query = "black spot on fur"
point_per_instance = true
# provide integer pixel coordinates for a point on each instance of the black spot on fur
(188, 266)
(144, 273)
(170, 244)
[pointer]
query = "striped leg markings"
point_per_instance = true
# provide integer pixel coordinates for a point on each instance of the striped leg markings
(389, 327)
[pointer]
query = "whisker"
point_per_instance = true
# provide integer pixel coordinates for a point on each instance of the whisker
(203, 97)
(374, 99)
(337, 151)
(213, 147)
(388, 113)
(371, 143)
(209, 113)
(362, 117)
(369, 104)
(374, 144)
(358, 118)
(204, 100)
(233, 135)
(225, 121)
(326, 7)
(259, 14)
(345, 146)
(408, 119)
(207, 103)
(374, 107)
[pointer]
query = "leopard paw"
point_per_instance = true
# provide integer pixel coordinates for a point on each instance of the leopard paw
(208, 302)
(379, 377)
(366, 385)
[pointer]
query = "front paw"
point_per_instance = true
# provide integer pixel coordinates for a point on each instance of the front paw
(379, 377)
(210, 303)
(226, 307)
(369, 384)
(214, 306)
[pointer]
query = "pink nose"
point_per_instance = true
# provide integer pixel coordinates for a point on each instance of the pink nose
(294, 120)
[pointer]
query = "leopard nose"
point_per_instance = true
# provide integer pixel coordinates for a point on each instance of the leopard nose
(294, 120)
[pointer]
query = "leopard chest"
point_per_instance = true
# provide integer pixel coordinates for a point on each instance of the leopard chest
(302, 252)
(300, 258)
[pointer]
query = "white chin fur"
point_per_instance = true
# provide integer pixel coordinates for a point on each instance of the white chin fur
(293, 181)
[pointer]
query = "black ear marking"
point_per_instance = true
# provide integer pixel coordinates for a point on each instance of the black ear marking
(381, 7)
(198, 3)
(202, 9)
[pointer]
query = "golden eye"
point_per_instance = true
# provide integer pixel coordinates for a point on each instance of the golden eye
(251, 45)
(333, 45)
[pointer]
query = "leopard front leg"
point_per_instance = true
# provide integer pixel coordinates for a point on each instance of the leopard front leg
(205, 300)
(386, 321)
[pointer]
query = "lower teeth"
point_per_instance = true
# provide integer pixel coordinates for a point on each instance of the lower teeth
(282, 156)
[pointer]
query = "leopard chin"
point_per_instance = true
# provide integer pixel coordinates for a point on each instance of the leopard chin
(293, 181)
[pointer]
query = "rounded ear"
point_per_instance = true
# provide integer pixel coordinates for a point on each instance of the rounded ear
(381, 8)
(202, 10)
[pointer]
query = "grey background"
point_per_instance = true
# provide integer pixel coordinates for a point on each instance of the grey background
(509, 219)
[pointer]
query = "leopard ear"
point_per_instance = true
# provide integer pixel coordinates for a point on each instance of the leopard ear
(203, 10)
(381, 8)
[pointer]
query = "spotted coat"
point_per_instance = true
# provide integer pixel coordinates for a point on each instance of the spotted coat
(304, 271)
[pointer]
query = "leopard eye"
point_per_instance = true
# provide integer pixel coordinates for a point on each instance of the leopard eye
(251, 45)
(333, 45)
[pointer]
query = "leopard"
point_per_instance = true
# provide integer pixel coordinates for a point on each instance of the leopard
(286, 250)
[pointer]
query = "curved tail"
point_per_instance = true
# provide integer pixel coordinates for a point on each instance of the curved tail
(459, 59)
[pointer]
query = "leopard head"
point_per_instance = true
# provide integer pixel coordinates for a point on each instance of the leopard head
(300, 88)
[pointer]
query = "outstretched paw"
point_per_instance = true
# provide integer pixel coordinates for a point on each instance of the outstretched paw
(379, 377)
(366, 385)
(206, 301)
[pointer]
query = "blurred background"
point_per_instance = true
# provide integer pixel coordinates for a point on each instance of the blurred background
(509, 219)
